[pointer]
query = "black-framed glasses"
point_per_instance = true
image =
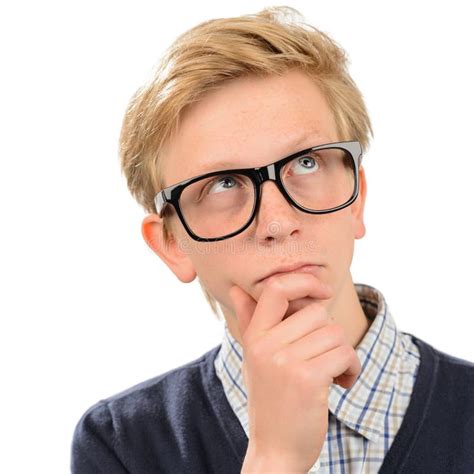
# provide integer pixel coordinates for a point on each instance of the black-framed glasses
(220, 204)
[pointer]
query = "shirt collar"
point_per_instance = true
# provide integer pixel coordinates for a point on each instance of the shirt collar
(362, 407)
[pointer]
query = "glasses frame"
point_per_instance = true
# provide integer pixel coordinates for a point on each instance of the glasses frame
(171, 194)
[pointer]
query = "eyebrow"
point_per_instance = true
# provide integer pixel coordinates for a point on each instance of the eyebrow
(219, 165)
(226, 164)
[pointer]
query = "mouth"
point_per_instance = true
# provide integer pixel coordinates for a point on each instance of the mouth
(304, 268)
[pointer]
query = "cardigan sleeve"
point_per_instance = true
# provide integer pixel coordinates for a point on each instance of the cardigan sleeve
(94, 449)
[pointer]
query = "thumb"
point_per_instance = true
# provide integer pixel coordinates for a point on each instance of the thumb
(244, 307)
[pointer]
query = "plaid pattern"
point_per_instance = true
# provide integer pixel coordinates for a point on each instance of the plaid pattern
(364, 419)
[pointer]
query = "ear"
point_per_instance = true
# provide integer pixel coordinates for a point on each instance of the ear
(358, 206)
(173, 252)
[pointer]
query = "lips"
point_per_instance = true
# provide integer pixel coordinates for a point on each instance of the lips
(296, 268)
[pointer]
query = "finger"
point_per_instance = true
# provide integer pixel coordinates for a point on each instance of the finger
(244, 307)
(341, 361)
(302, 324)
(346, 381)
(316, 343)
(277, 292)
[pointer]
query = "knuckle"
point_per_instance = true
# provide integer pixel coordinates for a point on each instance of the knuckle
(280, 359)
(347, 352)
(256, 352)
(274, 285)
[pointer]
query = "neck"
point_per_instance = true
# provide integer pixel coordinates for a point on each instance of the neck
(347, 311)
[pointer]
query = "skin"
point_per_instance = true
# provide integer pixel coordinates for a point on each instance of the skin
(252, 122)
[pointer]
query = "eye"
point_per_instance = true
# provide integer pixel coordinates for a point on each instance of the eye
(304, 165)
(223, 183)
(226, 181)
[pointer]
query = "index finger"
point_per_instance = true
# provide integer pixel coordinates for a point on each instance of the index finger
(279, 290)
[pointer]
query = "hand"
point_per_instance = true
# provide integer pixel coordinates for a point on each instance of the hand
(288, 368)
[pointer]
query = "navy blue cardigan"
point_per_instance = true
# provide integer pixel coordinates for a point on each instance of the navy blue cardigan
(181, 421)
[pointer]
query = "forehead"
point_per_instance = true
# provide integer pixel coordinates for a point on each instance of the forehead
(248, 122)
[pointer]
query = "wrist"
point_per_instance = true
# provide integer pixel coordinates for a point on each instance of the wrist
(259, 463)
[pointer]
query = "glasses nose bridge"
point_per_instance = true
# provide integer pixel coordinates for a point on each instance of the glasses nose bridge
(266, 173)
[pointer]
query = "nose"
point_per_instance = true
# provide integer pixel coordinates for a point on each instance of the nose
(276, 218)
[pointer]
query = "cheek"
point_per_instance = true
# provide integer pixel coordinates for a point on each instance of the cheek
(217, 273)
(339, 240)
(213, 265)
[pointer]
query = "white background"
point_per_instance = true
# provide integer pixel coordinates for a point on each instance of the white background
(87, 309)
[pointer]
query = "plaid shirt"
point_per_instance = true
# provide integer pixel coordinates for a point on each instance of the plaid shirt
(364, 419)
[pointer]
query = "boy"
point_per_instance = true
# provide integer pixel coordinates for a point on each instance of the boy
(252, 134)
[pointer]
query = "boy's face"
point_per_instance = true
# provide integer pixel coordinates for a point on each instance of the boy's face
(252, 122)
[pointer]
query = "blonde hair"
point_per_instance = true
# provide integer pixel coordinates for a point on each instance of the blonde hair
(203, 58)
